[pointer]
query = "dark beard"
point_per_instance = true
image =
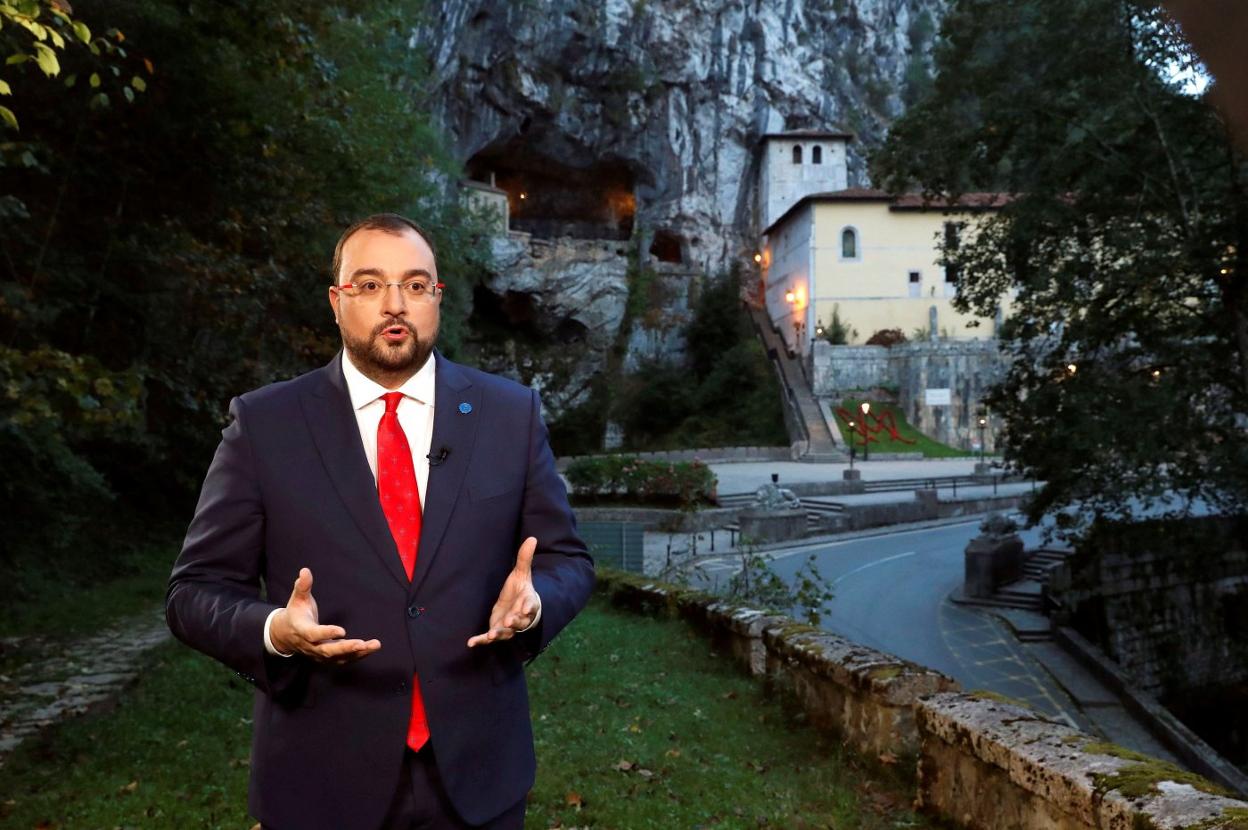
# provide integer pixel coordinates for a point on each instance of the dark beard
(384, 363)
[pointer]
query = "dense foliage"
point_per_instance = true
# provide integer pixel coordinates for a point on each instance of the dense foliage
(630, 480)
(725, 393)
(161, 252)
(722, 393)
(1122, 250)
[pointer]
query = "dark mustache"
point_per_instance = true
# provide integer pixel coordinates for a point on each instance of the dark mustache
(395, 322)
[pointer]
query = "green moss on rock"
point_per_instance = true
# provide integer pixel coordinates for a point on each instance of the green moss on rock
(985, 694)
(1231, 818)
(1141, 778)
(885, 672)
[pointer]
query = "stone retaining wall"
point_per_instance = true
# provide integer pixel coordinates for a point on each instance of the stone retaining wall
(658, 518)
(1168, 602)
(979, 762)
(717, 455)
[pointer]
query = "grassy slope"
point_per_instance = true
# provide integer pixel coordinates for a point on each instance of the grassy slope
(638, 725)
(882, 441)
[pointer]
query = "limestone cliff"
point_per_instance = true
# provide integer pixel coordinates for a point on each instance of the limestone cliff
(668, 98)
(640, 121)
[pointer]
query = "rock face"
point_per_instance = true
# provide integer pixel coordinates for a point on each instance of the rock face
(646, 115)
(628, 134)
(556, 307)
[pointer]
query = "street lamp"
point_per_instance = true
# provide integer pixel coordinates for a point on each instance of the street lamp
(866, 446)
(983, 424)
(851, 445)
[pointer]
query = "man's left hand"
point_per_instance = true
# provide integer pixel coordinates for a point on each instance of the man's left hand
(518, 602)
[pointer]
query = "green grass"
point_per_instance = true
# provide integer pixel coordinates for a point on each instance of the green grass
(638, 725)
(172, 753)
(882, 441)
(56, 600)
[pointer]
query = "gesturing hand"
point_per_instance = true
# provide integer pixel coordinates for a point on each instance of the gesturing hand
(296, 629)
(517, 603)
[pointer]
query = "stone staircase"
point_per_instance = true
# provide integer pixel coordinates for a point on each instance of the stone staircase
(1021, 602)
(821, 511)
(804, 418)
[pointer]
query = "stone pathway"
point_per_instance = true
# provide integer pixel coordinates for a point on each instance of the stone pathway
(61, 680)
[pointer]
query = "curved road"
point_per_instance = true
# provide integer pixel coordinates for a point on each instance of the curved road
(892, 594)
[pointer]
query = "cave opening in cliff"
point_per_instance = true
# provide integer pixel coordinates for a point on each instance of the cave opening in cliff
(666, 247)
(549, 199)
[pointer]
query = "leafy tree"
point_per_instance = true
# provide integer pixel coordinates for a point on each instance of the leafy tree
(1125, 241)
(162, 257)
(723, 394)
(36, 31)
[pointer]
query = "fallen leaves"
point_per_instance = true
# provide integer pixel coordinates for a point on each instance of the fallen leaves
(879, 801)
(128, 788)
(624, 765)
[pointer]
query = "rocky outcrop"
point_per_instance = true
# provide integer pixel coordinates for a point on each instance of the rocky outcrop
(667, 99)
(550, 316)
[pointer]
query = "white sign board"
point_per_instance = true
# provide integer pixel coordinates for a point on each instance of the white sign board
(938, 397)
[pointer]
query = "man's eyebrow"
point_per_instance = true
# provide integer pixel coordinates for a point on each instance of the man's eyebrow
(377, 272)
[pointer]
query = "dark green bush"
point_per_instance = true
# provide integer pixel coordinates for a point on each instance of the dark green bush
(630, 480)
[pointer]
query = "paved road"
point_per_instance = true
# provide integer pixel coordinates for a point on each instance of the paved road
(891, 594)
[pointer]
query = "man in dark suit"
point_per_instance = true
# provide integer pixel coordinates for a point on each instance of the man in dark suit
(423, 499)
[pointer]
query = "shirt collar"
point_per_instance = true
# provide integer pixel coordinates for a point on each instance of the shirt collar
(363, 390)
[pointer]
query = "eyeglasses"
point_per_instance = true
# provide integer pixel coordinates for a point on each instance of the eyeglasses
(417, 288)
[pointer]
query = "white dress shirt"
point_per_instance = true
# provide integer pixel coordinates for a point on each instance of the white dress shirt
(415, 417)
(415, 414)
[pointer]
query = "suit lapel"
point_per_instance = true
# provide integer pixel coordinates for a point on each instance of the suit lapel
(455, 430)
(327, 410)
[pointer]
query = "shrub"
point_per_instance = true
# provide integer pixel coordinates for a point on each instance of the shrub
(628, 479)
(887, 337)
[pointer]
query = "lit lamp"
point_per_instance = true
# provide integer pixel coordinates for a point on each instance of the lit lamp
(851, 445)
(758, 257)
(819, 328)
(866, 447)
(983, 424)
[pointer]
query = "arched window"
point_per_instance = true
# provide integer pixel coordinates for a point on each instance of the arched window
(816, 155)
(797, 154)
(849, 244)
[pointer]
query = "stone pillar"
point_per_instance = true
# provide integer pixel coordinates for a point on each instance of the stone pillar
(991, 561)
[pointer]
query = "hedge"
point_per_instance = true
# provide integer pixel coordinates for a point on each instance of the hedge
(624, 479)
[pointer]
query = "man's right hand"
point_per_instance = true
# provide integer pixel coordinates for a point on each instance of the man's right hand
(296, 630)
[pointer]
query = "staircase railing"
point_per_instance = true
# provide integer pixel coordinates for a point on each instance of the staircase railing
(794, 422)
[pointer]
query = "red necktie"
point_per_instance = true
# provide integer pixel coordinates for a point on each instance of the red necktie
(400, 501)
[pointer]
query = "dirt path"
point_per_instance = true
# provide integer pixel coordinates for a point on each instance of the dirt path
(60, 680)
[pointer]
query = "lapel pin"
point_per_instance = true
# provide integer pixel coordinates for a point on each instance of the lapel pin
(465, 408)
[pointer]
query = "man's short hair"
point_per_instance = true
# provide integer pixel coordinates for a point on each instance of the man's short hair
(391, 223)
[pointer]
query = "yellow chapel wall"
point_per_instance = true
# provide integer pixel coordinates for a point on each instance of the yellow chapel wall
(872, 292)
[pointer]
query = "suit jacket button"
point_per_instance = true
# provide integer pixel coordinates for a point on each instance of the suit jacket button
(414, 611)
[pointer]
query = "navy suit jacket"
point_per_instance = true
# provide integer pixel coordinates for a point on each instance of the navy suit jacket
(290, 487)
